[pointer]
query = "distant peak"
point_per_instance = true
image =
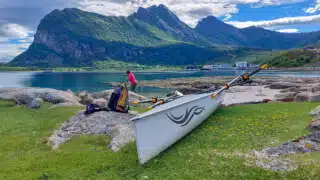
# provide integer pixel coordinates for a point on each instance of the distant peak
(210, 21)
(65, 10)
(154, 8)
(160, 6)
(210, 18)
(254, 27)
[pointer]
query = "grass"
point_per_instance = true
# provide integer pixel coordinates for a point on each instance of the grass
(24, 155)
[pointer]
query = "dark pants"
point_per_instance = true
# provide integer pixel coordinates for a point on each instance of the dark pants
(133, 87)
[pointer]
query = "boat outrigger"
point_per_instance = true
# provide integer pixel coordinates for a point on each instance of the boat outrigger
(172, 118)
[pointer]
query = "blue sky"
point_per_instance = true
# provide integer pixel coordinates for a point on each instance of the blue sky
(265, 13)
(19, 18)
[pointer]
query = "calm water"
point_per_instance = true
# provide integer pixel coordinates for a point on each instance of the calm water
(95, 81)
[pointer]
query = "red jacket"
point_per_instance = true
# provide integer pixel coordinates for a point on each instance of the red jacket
(132, 78)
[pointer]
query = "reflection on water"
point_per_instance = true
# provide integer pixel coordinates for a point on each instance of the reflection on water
(15, 79)
(98, 81)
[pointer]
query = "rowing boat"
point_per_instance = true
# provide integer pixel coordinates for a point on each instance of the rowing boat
(159, 128)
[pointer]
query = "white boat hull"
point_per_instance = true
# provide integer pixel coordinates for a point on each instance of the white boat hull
(161, 127)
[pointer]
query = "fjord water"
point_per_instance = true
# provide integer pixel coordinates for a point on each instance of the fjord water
(98, 81)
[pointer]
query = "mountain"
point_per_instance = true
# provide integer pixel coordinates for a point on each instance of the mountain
(154, 35)
(72, 37)
(219, 32)
(165, 20)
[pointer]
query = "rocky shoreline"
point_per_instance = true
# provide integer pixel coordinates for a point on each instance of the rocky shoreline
(272, 88)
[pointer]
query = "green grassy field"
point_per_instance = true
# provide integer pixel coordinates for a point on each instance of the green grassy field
(239, 129)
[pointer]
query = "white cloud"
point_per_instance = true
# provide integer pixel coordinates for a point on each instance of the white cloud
(8, 50)
(189, 11)
(288, 30)
(14, 30)
(21, 36)
(278, 22)
(313, 9)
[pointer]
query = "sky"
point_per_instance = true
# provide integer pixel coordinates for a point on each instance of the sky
(19, 18)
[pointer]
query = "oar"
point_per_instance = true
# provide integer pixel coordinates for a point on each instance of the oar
(242, 78)
(153, 100)
(176, 95)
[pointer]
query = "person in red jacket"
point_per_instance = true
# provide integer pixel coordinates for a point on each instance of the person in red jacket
(132, 80)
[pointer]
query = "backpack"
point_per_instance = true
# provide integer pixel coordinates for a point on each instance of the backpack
(119, 100)
(92, 108)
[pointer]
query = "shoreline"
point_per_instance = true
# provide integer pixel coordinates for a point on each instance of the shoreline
(79, 70)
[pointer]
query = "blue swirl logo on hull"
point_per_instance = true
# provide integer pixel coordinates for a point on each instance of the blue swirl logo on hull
(186, 117)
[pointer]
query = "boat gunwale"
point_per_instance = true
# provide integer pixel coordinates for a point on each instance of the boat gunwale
(205, 95)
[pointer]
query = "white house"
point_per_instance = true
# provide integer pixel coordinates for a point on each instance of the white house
(242, 64)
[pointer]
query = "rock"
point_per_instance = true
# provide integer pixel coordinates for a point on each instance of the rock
(304, 144)
(291, 90)
(314, 126)
(273, 163)
(67, 104)
(107, 93)
(316, 112)
(39, 100)
(188, 90)
(315, 88)
(22, 99)
(34, 104)
(85, 98)
(287, 95)
(308, 96)
(315, 97)
(102, 94)
(117, 125)
(102, 103)
(303, 97)
(26, 95)
(283, 85)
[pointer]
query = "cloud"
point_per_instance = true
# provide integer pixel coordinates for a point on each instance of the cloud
(189, 11)
(28, 13)
(313, 9)
(288, 30)
(10, 50)
(278, 22)
(14, 30)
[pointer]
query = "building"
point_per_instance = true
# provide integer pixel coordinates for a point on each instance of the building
(192, 67)
(207, 67)
(241, 65)
(222, 66)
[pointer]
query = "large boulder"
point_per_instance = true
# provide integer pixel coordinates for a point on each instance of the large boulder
(116, 125)
(102, 103)
(27, 95)
(85, 98)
